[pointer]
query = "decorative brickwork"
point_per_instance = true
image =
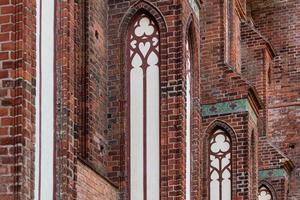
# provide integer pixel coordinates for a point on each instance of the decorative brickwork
(236, 106)
(264, 174)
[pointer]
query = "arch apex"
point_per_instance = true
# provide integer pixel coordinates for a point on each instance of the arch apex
(142, 6)
(219, 124)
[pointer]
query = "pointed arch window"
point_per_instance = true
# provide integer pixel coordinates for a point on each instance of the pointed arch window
(143, 97)
(188, 118)
(264, 193)
(220, 166)
(195, 6)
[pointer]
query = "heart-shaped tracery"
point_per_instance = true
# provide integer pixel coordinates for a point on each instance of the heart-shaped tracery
(144, 45)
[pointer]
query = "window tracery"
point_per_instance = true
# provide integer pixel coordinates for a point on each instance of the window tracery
(264, 194)
(220, 166)
(195, 6)
(143, 84)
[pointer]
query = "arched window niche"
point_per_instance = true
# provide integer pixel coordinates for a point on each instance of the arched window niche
(221, 161)
(266, 191)
(188, 105)
(191, 96)
(220, 158)
(143, 97)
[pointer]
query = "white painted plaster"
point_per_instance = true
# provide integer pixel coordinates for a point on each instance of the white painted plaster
(144, 27)
(214, 187)
(47, 102)
(136, 132)
(153, 135)
(226, 185)
(188, 125)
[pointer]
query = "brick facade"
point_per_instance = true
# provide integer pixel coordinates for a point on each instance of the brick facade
(92, 186)
(17, 80)
(245, 81)
(277, 21)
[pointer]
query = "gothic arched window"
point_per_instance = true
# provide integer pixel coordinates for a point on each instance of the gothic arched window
(188, 118)
(220, 161)
(264, 193)
(144, 107)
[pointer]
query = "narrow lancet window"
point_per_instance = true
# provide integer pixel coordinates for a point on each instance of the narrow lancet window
(188, 121)
(220, 166)
(143, 83)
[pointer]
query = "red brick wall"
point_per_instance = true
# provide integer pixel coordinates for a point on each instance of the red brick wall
(81, 73)
(257, 58)
(278, 21)
(67, 109)
(253, 59)
(219, 82)
(95, 91)
(17, 90)
(92, 186)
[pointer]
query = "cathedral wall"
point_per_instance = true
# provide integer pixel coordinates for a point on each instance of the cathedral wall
(91, 139)
(257, 60)
(101, 120)
(279, 22)
(224, 92)
(220, 80)
(95, 84)
(174, 19)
